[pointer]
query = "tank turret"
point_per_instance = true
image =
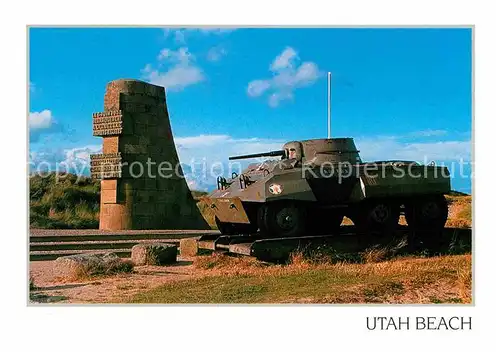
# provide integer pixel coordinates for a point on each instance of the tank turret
(319, 151)
(314, 151)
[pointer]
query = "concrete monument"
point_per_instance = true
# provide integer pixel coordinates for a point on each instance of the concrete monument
(142, 184)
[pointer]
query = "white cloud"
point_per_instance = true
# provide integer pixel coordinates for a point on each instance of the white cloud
(182, 70)
(389, 148)
(306, 74)
(258, 87)
(216, 53)
(278, 96)
(43, 123)
(220, 147)
(74, 160)
(40, 120)
(284, 60)
(177, 78)
(287, 76)
(80, 156)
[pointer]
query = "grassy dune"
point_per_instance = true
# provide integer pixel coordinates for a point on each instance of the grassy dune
(64, 202)
(445, 279)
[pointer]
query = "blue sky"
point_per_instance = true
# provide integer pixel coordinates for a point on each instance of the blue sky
(401, 93)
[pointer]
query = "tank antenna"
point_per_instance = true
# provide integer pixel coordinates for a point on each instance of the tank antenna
(329, 104)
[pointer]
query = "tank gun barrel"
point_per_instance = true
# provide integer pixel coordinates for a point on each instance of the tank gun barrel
(274, 153)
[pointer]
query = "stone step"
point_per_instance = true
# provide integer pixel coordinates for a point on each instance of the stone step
(54, 254)
(70, 232)
(98, 244)
(63, 238)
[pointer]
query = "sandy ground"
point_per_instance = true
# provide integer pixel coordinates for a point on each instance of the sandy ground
(50, 289)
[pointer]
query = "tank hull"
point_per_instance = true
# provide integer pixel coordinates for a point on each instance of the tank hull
(279, 193)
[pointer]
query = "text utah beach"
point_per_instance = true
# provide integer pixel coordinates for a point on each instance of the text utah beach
(419, 323)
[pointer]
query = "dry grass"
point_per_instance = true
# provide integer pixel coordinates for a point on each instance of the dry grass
(113, 268)
(460, 211)
(375, 255)
(464, 284)
(226, 279)
(227, 264)
(69, 270)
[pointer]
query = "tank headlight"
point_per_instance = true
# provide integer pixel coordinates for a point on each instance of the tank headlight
(275, 189)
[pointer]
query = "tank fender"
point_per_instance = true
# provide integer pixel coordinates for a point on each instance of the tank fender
(288, 186)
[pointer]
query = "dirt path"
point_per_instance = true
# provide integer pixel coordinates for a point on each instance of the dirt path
(50, 289)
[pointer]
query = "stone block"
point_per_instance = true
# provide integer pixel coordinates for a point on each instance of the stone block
(108, 196)
(114, 217)
(188, 247)
(109, 185)
(91, 264)
(110, 145)
(154, 254)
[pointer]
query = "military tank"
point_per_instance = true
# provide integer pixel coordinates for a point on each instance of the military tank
(308, 186)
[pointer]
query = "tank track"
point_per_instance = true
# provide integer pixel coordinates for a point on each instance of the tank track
(345, 241)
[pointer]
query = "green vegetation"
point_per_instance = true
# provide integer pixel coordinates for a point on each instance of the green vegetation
(64, 201)
(405, 280)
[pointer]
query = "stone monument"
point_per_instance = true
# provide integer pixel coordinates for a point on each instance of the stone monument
(142, 183)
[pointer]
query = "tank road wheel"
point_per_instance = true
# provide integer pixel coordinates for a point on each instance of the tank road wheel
(427, 213)
(282, 220)
(376, 217)
(234, 228)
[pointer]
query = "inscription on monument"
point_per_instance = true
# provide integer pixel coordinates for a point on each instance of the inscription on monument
(106, 166)
(108, 123)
